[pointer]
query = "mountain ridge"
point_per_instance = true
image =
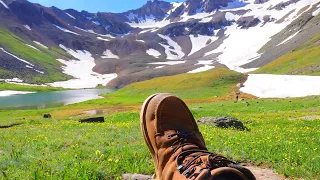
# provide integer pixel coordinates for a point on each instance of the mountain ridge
(162, 38)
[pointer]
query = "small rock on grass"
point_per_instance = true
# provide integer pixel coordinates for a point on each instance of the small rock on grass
(223, 122)
(136, 177)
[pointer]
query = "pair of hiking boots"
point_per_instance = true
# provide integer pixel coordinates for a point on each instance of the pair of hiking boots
(177, 146)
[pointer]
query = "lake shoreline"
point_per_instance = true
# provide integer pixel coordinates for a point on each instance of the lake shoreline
(13, 100)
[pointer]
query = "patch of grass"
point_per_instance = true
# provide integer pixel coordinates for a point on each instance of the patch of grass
(304, 60)
(18, 87)
(45, 59)
(5, 74)
(63, 148)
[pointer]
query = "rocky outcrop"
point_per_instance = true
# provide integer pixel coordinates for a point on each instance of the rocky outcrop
(152, 9)
(247, 22)
(223, 122)
(260, 1)
(283, 4)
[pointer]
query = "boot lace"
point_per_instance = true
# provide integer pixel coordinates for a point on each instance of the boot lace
(188, 168)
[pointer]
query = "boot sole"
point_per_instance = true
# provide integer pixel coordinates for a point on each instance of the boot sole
(143, 123)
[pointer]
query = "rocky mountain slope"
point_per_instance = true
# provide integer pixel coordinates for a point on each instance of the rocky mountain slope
(158, 39)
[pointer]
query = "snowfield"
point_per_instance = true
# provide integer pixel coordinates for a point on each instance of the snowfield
(32, 47)
(70, 16)
(4, 4)
(109, 55)
(281, 86)
(9, 93)
(153, 52)
(103, 39)
(289, 38)
(202, 69)
(252, 39)
(66, 30)
(146, 22)
(27, 27)
(40, 44)
(168, 63)
(316, 12)
(16, 57)
(176, 48)
(81, 70)
(200, 42)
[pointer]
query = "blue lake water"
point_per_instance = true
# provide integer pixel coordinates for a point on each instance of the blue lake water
(50, 99)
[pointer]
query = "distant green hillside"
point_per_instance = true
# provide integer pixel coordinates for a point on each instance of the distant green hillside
(18, 87)
(194, 87)
(304, 60)
(46, 58)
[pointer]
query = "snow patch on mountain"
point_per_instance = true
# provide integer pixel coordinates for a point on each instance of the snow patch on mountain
(96, 23)
(201, 69)
(28, 64)
(153, 52)
(92, 32)
(237, 4)
(172, 54)
(242, 45)
(27, 27)
(66, 30)
(159, 67)
(40, 44)
(175, 5)
(316, 12)
(201, 15)
(107, 27)
(205, 20)
(231, 17)
(4, 4)
(281, 86)
(205, 62)
(10, 93)
(33, 47)
(200, 42)
(81, 70)
(103, 39)
(289, 38)
(16, 57)
(70, 15)
(81, 29)
(168, 63)
(103, 35)
(149, 22)
(148, 30)
(30, 67)
(107, 54)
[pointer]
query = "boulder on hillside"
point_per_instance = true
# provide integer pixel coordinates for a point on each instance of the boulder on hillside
(47, 116)
(223, 122)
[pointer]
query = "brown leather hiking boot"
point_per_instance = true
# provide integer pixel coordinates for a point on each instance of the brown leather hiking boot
(177, 146)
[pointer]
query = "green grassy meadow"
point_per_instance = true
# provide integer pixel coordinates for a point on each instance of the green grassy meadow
(18, 87)
(278, 137)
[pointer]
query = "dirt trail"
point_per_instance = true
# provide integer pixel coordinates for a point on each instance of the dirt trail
(260, 174)
(264, 173)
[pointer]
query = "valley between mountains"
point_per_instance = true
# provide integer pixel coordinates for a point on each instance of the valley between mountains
(72, 49)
